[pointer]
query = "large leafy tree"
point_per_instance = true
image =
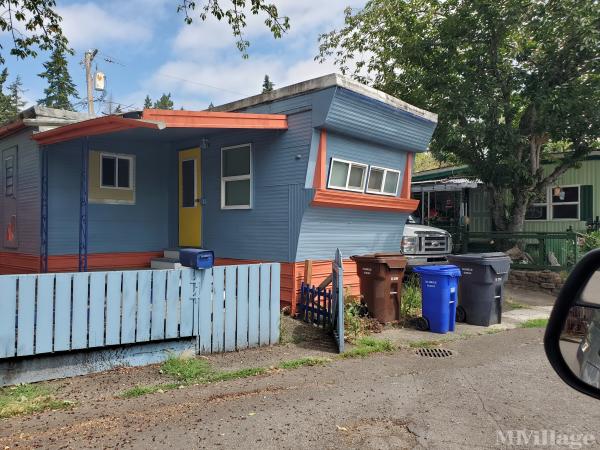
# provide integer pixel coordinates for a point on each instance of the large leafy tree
(60, 87)
(511, 80)
(33, 25)
(236, 13)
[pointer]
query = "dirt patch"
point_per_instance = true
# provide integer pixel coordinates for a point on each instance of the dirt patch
(378, 434)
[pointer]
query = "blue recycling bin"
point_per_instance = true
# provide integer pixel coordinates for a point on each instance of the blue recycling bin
(439, 288)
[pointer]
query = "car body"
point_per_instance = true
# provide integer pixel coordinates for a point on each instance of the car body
(425, 245)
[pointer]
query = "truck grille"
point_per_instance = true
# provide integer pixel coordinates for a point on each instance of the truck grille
(434, 243)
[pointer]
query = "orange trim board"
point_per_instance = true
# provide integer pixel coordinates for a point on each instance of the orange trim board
(90, 127)
(328, 198)
(214, 119)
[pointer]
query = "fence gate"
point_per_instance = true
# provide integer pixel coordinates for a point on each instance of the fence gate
(325, 307)
(337, 292)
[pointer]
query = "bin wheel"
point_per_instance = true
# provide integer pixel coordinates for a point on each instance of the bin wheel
(461, 314)
(422, 324)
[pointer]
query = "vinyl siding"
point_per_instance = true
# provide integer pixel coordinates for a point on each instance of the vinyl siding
(587, 174)
(354, 232)
(28, 179)
(142, 227)
(265, 232)
(368, 119)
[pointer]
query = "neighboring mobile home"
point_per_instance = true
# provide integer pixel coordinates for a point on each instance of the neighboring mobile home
(284, 176)
(450, 195)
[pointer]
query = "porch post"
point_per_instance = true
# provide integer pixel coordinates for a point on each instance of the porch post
(44, 212)
(83, 207)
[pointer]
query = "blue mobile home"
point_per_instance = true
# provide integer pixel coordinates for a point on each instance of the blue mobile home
(283, 176)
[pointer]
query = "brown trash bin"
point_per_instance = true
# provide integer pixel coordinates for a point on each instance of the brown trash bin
(381, 277)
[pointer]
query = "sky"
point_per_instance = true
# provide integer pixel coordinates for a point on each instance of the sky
(153, 51)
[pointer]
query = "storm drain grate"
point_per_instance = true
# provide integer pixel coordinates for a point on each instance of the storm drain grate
(434, 352)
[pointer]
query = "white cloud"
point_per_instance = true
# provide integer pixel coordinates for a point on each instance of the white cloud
(86, 25)
(207, 67)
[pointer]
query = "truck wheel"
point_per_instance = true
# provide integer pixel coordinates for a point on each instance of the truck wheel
(461, 314)
(422, 324)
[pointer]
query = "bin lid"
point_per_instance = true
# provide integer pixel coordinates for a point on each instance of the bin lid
(392, 260)
(500, 262)
(445, 269)
(473, 257)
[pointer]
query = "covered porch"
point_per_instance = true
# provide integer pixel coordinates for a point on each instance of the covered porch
(118, 191)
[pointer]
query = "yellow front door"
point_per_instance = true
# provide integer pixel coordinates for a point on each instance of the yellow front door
(190, 193)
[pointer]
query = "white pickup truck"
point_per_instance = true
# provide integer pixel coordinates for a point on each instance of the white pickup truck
(424, 245)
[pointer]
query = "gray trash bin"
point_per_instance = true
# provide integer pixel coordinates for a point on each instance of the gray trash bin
(481, 286)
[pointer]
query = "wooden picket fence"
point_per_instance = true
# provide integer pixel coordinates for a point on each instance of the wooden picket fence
(227, 308)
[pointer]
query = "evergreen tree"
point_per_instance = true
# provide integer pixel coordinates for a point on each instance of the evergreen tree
(12, 101)
(15, 91)
(147, 102)
(60, 85)
(6, 113)
(164, 102)
(267, 85)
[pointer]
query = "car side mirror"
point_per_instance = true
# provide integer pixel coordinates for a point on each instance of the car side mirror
(572, 339)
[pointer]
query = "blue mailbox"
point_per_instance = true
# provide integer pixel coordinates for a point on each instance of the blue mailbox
(197, 258)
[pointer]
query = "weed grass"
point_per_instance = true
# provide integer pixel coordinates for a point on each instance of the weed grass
(534, 323)
(27, 399)
(302, 362)
(367, 345)
(424, 344)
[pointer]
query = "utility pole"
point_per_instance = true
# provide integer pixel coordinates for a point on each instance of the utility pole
(89, 57)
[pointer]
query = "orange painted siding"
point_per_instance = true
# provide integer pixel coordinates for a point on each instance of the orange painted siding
(13, 263)
(291, 282)
(102, 261)
(406, 181)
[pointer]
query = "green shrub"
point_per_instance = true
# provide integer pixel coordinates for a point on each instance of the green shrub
(591, 240)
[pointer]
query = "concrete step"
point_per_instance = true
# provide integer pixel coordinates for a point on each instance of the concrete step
(171, 253)
(165, 263)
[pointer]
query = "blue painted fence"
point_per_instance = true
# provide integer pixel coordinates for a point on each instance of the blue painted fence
(227, 308)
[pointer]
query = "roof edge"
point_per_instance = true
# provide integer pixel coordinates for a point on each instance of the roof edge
(324, 82)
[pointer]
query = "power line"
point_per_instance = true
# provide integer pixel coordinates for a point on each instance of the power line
(113, 60)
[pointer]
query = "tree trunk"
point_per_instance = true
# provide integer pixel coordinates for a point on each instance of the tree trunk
(498, 210)
(518, 210)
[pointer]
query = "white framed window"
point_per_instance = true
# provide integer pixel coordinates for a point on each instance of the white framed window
(565, 202)
(236, 177)
(383, 181)
(556, 203)
(116, 171)
(347, 175)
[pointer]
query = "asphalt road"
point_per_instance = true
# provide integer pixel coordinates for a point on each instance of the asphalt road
(492, 383)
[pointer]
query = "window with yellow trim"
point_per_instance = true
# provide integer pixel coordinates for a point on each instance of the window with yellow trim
(111, 178)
